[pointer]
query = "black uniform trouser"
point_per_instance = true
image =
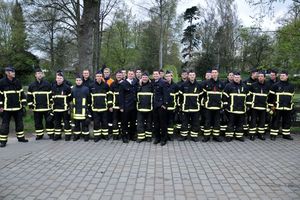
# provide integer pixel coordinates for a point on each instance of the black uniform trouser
(257, 121)
(81, 127)
(202, 117)
(38, 123)
(160, 126)
(18, 117)
(170, 121)
(117, 118)
(191, 118)
(100, 123)
(129, 123)
(178, 119)
(235, 125)
(283, 118)
(144, 125)
(65, 117)
(212, 119)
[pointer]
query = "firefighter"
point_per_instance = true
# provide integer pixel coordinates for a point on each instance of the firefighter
(107, 76)
(281, 102)
(234, 101)
(39, 99)
(144, 109)
(60, 72)
(178, 114)
(81, 100)
(258, 107)
(229, 79)
(207, 77)
(160, 104)
(12, 104)
(190, 98)
(115, 109)
(212, 98)
(138, 74)
(101, 101)
(172, 89)
(127, 102)
(61, 95)
(270, 82)
(87, 80)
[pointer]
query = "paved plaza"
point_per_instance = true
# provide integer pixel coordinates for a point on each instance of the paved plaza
(179, 170)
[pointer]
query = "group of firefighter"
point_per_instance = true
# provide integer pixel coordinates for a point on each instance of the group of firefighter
(135, 107)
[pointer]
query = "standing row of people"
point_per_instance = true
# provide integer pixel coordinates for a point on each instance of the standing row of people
(140, 108)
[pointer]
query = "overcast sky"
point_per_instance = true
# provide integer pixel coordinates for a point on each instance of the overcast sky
(244, 11)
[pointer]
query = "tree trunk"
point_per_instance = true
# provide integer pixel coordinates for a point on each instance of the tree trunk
(86, 34)
(161, 36)
(96, 59)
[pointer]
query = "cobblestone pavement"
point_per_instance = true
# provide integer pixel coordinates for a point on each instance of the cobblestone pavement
(180, 170)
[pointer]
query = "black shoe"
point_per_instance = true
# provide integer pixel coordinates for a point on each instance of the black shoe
(217, 139)
(206, 139)
(97, 138)
(2, 144)
(39, 137)
(156, 141)
(252, 137)
(76, 137)
(182, 138)
(115, 137)
(261, 136)
(273, 137)
(56, 137)
(241, 139)
(163, 142)
(105, 137)
(287, 137)
(22, 139)
(170, 137)
(67, 137)
(149, 139)
(125, 139)
(195, 139)
(86, 138)
(139, 140)
(228, 139)
(51, 136)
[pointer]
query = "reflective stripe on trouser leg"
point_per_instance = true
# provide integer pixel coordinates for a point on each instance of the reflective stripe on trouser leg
(104, 131)
(20, 134)
(50, 131)
(141, 136)
(148, 134)
(239, 134)
(77, 132)
(266, 126)
(229, 134)
(274, 132)
(39, 132)
(178, 126)
(170, 131)
(184, 133)
(286, 131)
(223, 128)
(202, 128)
(68, 132)
(3, 138)
(194, 134)
(57, 131)
(207, 132)
(86, 133)
(216, 132)
(245, 127)
(252, 130)
(261, 130)
(97, 132)
(115, 131)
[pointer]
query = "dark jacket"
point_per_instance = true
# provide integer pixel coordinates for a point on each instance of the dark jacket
(88, 83)
(190, 96)
(115, 89)
(248, 82)
(173, 92)
(61, 95)
(258, 96)
(12, 97)
(160, 93)
(235, 97)
(101, 98)
(281, 95)
(127, 95)
(145, 97)
(81, 102)
(39, 96)
(212, 94)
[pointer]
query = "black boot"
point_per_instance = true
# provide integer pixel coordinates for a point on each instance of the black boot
(273, 137)
(22, 139)
(241, 139)
(182, 138)
(170, 137)
(115, 137)
(252, 137)
(287, 137)
(51, 136)
(76, 137)
(39, 137)
(67, 137)
(2, 144)
(97, 138)
(206, 139)
(195, 139)
(56, 137)
(163, 142)
(156, 141)
(217, 138)
(149, 139)
(125, 138)
(105, 137)
(261, 136)
(228, 139)
(86, 138)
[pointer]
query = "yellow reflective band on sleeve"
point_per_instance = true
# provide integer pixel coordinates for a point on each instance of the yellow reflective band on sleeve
(272, 92)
